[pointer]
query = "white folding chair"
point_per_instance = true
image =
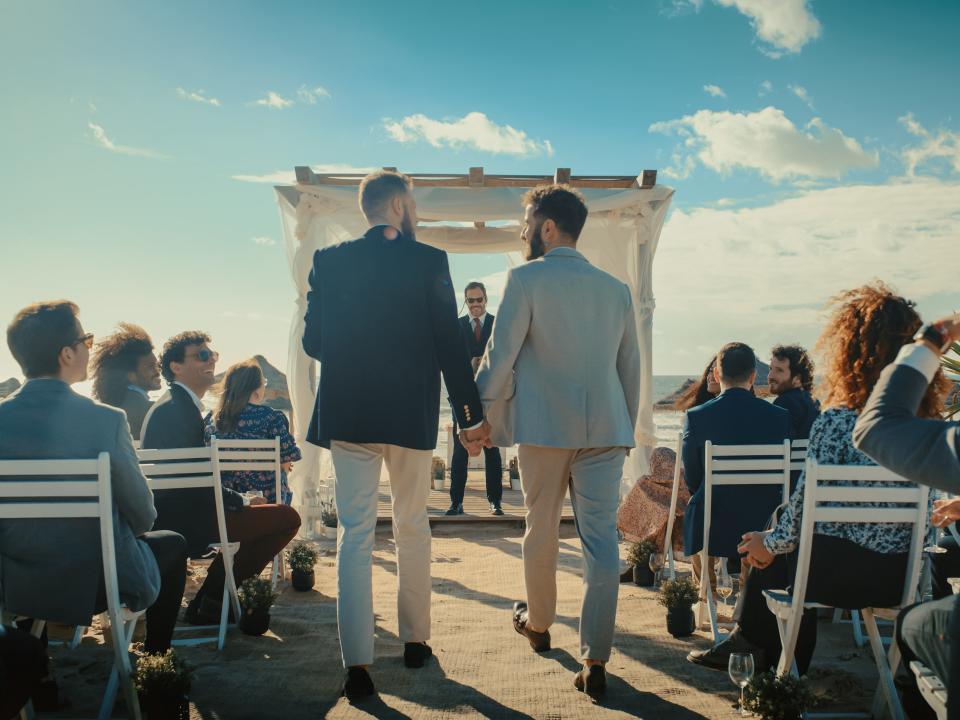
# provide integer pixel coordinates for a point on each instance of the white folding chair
(181, 468)
(798, 454)
(46, 489)
(824, 501)
(931, 688)
(729, 466)
(668, 538)
(251, 456)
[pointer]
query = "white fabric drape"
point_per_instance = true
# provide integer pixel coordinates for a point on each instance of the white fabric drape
(620, 237)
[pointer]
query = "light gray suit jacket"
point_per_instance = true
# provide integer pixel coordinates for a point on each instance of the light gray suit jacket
(51, 569)
(563, 362)
(889, 431)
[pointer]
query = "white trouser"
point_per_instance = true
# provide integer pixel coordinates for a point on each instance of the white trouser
(357, 467)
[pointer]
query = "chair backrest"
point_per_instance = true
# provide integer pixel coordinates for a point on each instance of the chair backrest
(798, 453)
(825, 501)
(249, 456)
(58, 489)
(726, 465)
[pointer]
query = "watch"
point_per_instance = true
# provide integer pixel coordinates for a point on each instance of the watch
(935, 334)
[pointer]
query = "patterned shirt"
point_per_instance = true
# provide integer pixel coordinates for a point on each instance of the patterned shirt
(831, 443)
(258, 422)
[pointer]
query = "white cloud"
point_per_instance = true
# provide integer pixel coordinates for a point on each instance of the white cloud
(197, 96)
(944, 144)
(801, 92)
(100, 136)
(474, 130)
(766, 87)
(287, 177)
(714, 90)
(264, 241)
(272, 100)
(786, 25)
(765, 141)
(311, 95)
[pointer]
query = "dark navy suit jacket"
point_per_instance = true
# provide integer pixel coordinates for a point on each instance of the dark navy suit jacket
(735, 417)
(474, 348)
(382, 320)
(803, 411)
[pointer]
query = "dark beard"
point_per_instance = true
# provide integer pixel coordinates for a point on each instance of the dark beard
(406, 227)
(536, 246)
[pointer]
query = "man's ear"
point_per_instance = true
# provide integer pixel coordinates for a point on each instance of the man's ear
(175, 368)
(65, 356)
(548, 230)
(396, 204)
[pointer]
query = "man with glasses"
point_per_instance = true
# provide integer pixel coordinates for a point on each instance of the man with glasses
(177, 421)
(475, 327)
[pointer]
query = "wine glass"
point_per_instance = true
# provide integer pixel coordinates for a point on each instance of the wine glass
(656, 565)
(740, 667)
(724, 587)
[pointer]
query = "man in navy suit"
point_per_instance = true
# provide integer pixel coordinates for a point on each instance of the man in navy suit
(375, 406)
(735, 417)
(475, 327)
(791, 380)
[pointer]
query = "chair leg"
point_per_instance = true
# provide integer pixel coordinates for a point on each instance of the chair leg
(77, 637)
(858, 637)
(26, 712)
(887, 687)
(224, 615)
(121, 676)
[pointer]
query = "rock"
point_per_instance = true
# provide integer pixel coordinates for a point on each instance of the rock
(8, 387)
(277, 395)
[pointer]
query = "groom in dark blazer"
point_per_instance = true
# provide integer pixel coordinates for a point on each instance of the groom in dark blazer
(382, 320)
(476, 327)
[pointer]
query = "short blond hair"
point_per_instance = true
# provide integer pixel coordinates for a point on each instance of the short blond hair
(378, 188)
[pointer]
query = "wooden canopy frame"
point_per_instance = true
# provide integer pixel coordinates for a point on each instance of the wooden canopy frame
(476, 178)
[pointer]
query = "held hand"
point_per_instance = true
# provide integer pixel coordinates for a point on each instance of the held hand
(945, 512)
(754, 551)
(287, 467)
(258, 501)
(475, 440)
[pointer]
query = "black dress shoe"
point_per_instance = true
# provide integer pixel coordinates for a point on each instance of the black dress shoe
(539, 641)
(455, 509)
(718, 657)
(592, 680)
(206, 612)
(359, 685)
(495, 509)
(416, 654)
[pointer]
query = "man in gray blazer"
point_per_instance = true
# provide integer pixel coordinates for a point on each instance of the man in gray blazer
(52, 569)
(563, 364)
(928, 452)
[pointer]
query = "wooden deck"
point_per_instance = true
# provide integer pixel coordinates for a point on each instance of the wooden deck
(475, 503)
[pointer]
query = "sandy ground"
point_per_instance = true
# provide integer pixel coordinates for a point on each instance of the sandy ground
(482, 667)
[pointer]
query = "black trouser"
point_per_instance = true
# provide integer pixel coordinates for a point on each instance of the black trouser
(23, 664)
(458, 472)
(842, 575)
(170, 550)
(943, 566)
(930, 632)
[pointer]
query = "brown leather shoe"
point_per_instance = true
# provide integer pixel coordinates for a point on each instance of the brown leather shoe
(539, 641)
(592, 680)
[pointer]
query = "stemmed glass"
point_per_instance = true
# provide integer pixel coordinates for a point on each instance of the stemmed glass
(656, 566)
(740, 667)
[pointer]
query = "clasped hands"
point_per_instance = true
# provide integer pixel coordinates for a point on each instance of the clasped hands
(477, 439)
(754, 553)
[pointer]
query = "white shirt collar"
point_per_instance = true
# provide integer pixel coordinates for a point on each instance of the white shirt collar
(138, 389)
(192, 394)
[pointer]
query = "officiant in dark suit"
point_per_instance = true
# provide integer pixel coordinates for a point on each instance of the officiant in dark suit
(476, 327)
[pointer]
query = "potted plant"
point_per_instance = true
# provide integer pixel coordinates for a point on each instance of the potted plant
(639, 557)
(774, 697)
(678, 597)
(163, 683)
(950, 361)
(256, 597)
(302, 558)
(437, 473)
(513, 470)
(328, 518)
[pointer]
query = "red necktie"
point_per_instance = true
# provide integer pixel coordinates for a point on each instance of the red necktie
(476, 328)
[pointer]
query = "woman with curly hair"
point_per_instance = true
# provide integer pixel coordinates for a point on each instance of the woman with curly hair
(857, 564)
(124, 370)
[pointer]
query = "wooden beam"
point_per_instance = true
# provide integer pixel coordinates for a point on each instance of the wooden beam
(648, 179)
(305, 175)
(389, 169)
(476, 177)
(562, 176)
(479, 224)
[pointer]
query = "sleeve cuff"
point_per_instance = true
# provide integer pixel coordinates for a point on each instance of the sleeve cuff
(920, 358)
(473, 427)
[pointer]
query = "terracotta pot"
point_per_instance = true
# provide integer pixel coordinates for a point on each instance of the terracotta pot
(255, 623)
(302, 580)
(643, 575)
(681, 622)
(165, 708)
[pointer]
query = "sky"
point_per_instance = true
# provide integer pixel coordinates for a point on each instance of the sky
(813, 146)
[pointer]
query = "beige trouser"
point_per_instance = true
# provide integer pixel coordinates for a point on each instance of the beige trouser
(357, 467)
(593, 477)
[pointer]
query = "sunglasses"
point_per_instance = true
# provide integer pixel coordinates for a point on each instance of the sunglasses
(206, 355)
(475, 301)
(85, 339)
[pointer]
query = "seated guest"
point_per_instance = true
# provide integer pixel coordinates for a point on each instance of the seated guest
(853, 565)
(124, 371)
(52, 569)
(241, 416)
(23, 664)
(702, 391)
(735, 417)
(176, 421)
(791, 379)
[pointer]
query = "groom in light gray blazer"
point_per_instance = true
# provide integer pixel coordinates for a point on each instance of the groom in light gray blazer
(561, 375)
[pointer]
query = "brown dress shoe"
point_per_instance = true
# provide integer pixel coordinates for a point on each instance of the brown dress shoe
(592, 680)
(539, 641)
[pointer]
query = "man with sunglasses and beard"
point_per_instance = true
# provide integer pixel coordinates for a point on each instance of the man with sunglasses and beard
(378, 402)
(565, 360)
(476, 327)
(177, 421)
